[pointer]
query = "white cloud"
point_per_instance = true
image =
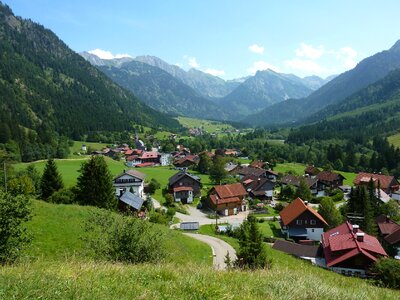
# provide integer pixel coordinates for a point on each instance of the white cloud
(256, 49)
(310, 52)
(193, 62)
(215, 72)
(347, 55)
(103, 54)
(305, 65)
(261, 65)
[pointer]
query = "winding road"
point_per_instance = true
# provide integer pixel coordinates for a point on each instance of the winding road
(219, 249)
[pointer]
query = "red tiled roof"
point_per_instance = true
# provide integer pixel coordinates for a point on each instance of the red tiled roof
(312, 170)
(385, 181)
(183, 188)
(389, 229)
(215, 198)
(230, 190)
(329, 176)
(295, 209)
(340, 244)
(149, 155)
(128, 152)
(131, 157)
(247, 181)
(257, 164)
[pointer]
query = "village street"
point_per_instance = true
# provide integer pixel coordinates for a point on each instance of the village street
(219, 249)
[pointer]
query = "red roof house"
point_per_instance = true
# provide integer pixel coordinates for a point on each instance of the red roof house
(389, 232)
(227, 199)
(387, 183)
(350, 251)
(299, 221)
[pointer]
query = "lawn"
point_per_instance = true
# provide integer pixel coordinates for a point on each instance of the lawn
(69, 168)
(270, 228)
(209, 126)
(58, 229)
(77, 148)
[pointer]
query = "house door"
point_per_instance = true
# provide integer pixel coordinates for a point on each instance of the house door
(226, 212)
(235, 211)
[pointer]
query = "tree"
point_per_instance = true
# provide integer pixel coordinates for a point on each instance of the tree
(14, 212)
(388, 271)
(288, 192)
(51, 180)
(217, 170)
(303, 191)
(94, 185)
(21, 185)
(252, 253)
(329, 212)
(204, 163)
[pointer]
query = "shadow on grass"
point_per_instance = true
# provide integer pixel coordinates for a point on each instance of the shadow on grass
(276, 230)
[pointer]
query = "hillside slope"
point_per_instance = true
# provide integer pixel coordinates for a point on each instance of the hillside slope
(46, 89)
(366, 72)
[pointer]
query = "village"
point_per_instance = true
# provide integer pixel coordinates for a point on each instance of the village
(255, 189)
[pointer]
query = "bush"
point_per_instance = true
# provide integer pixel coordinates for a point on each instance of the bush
(63, 196)
(14, 212)
(124, 239)
(153, 186)
(279, 206)
(388, 271)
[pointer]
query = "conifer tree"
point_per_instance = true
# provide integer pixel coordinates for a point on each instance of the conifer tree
(217, 170)
(303, 191)
(204, 164)
(94, 185)
(329, 212)
(51, 180)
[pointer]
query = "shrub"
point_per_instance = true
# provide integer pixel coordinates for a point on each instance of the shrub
(124, 239)
(63, 196)
(279, 206)
(153, 186)
(388, 271)
(14, 212)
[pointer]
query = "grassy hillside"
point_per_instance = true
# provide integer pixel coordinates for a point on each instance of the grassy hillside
(58, 230)
(394, 140)
(209, 126)
(77, 147)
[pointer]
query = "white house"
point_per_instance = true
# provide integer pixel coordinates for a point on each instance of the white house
(130, 180)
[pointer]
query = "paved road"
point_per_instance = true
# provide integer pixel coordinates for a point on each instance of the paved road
(219, 249)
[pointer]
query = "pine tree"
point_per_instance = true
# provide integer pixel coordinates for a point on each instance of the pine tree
(204, 164)
(329, 212)
(303, 191)
(252, 253)
(217, 170)
(51, 180)
(94, 185)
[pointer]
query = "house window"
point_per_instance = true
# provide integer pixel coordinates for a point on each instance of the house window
(312, 230)
(299, 222)
(305, 222)
(313, 222)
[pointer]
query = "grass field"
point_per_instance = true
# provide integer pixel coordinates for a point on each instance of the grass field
(209, 126)
(58, 229)
(77, 147)
(394, 139)
(270, 228)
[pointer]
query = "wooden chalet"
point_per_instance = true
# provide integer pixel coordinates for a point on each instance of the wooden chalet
(184, 186)
(260, 188)
(389, 235)
(301, 222)
(186, 161)
(331, 180)
(311, 182)
(311, 171)
(350, 251)
(227, 199)
(256, 172)
(387, 183)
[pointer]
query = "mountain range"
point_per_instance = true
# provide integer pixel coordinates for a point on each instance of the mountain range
(365, 73)
(46, 89)
(194, 93)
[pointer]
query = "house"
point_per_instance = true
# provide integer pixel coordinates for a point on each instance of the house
(301, 222)
(130, 201)
(131, 180)
(184, 186)
(327, 179)
(228, 199)
(258, 164)
(350, 251)
(150, 157)
(256, 172)
(231, 152)
(311, 182)
(311, 171)
(307, 252)
(261, 188)
(186, 161)
(389, 234)
(231, 168)
(387, 183)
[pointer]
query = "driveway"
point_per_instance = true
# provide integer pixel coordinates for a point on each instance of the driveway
(219, 249)
(196, 215)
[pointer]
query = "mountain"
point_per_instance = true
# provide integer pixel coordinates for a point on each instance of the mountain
(366, 72)
(374, 110)
(97, 61)
(263, 89)
(48, 90)
(159, 89)
(207, 85)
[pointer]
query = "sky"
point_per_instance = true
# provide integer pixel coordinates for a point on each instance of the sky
(226, 38)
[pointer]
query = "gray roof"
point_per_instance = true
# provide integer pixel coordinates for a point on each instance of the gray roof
(180, 175)
(132, 200)
(133, 173)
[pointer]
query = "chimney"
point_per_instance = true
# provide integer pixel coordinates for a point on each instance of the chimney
(355, 228)
(306, 203)
(360, 236)
(387, 219)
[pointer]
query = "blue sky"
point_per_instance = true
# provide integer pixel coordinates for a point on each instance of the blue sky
(230, 39)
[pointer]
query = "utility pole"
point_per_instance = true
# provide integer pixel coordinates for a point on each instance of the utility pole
(5, 177)
(216, 213)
